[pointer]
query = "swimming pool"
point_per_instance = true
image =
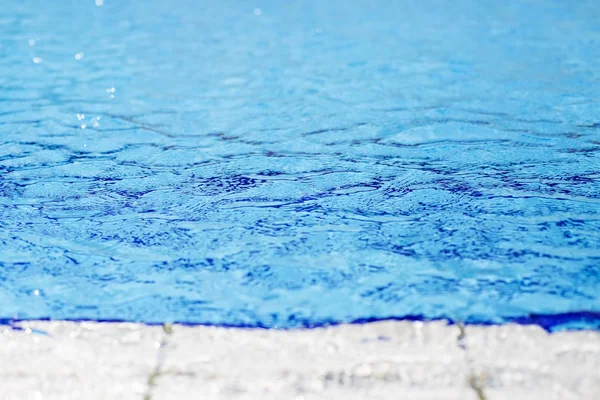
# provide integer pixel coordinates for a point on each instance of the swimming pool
(293, 164)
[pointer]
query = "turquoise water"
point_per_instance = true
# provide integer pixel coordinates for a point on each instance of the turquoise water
(290, 164)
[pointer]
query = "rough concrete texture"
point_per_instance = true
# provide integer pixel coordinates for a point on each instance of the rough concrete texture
(385, 360)
(346, 362)
(513, 361)
(65, 360)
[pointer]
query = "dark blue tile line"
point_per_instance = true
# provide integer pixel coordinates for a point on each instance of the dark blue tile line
(582, 320)
(589, 320)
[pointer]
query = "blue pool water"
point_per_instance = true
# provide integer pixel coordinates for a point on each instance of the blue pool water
(298, 163)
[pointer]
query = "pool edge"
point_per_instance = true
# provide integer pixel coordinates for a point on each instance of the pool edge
(387, 359)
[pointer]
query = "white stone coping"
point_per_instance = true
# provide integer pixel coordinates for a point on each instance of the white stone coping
(381, 360)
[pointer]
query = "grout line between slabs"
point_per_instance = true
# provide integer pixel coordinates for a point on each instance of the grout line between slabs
(476, 381)
(160, 358)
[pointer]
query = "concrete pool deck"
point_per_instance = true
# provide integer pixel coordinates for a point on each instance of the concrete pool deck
(383, 360)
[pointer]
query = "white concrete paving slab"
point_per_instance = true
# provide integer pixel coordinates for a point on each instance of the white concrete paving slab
(515, 362)
(67, 360)
(375, 360)
(383, 360)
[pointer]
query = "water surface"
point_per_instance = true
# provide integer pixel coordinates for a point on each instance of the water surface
(288, 164)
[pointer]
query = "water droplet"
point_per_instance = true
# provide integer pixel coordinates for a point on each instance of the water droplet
(111, 90)
(78, 56)
(99, 2)
(36, 292)
(37, 60)
(31, 42)
(80, 117)
(257, 11)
